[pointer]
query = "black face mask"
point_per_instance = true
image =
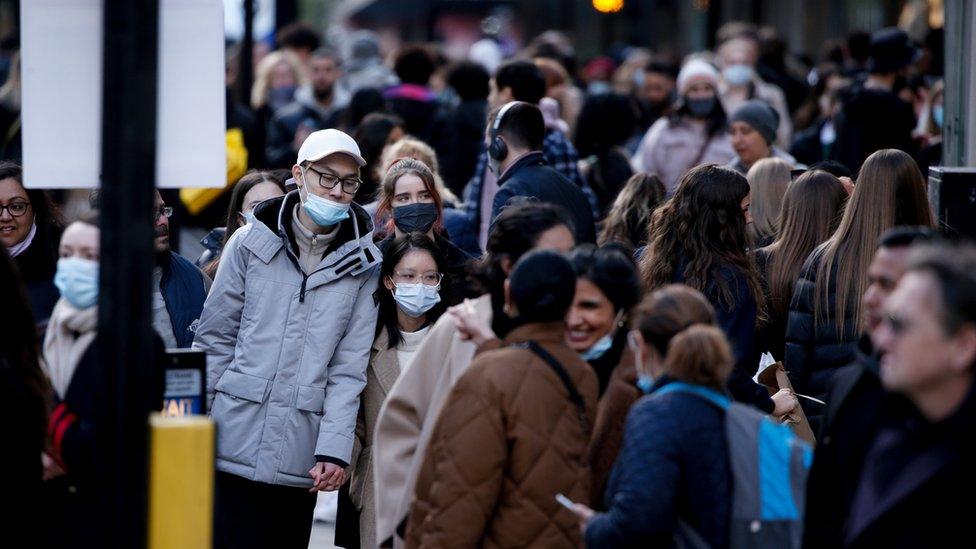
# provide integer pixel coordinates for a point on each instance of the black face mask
(700, 108)
(416, 217)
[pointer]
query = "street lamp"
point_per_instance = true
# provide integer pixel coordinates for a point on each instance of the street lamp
(608, 6)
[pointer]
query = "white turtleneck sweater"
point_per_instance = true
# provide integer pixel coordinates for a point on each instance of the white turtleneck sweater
(311, 246)
(409, 343)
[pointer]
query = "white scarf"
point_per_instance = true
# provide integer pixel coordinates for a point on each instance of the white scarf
(69, 333)
(22, 246)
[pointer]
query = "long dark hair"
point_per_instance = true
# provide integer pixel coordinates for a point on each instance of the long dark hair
(631, 212)
(19, 344)
(890, 192)
(515, 231)
(812, 208)
(702, 225)
(387, 315)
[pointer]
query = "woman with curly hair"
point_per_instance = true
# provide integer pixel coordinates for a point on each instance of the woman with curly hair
(699, 238)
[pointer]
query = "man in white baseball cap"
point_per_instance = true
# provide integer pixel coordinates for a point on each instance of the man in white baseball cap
(288, 328)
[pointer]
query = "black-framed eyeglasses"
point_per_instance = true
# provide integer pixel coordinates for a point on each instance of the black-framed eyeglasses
(431, 278)
(16, 209)
(328, 181)
(163, 211)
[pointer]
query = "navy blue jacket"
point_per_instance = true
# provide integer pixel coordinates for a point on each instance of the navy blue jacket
(738, 321)
(673, 465)
(532, 177)
(184, 291)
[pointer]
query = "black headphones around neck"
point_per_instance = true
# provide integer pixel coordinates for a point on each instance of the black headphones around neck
(498, 150)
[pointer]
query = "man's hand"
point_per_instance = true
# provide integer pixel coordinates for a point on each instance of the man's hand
(327, 477)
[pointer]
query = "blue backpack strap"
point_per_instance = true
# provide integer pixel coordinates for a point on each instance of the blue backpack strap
(711, 395)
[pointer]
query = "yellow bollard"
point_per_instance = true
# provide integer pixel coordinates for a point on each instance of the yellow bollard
(181, 482)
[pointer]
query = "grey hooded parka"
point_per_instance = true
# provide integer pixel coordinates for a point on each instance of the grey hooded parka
(287, 350)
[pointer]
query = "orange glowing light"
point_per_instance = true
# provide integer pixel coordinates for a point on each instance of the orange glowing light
(608, 6)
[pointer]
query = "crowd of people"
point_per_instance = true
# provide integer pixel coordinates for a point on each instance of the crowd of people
(517, 304)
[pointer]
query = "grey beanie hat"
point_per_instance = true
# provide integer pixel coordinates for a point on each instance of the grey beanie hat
(760, 116)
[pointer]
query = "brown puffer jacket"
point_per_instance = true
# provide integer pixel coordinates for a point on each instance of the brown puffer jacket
(507, 441)
(611, 417)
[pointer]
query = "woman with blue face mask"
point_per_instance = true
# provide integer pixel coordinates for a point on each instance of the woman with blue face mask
(71, 367)
(658, 318)
(412, 283)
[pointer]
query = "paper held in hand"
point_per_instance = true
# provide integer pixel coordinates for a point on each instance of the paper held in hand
(773, 376)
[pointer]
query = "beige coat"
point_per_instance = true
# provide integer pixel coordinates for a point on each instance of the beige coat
(381, 374)
(408, 416)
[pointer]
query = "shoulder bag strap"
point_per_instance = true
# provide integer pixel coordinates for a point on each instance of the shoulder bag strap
(574, 395)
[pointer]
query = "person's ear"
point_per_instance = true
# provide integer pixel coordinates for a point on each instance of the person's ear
(964, 354)
(296, 172)
(388, 282)
(510, 309)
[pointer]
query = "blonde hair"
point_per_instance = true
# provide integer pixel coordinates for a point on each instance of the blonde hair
(889, 192)
(262, 77)
(411, 147)
(768, 179)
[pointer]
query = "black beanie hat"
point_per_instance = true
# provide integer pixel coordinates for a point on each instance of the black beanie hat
(760, 116)
(543, 285)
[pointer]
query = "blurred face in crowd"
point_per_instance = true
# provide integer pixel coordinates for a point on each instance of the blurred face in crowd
(282, 76)
(258, 194)
(885, 270)
(80, 240)
(590, 317)
(657, 87)
(749, 144)
(558, 238)
(737, 51)
(336, 168)
(325, 73)
(919, 356)
(746, 205)
(496, 97)
(17, 215)
(161, 224)
(700, 90)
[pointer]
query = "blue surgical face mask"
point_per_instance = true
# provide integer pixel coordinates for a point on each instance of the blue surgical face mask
(323, 211)
(599, 348)
(248, 217)
(644, 380)
(603, 344)
(737, 75)
(77, 280)
(938, 114)
(416, 299)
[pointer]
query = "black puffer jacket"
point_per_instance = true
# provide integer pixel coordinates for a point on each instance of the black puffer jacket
(814, 351)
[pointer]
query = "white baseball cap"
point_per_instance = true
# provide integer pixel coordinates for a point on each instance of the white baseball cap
(322, 143)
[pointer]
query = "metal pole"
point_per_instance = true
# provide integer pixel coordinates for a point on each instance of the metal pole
(125, 343)
(245, 70)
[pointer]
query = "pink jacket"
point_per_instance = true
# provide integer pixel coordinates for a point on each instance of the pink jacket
(669, 149)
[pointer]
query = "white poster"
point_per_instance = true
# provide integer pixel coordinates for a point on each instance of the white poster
(61, 55)
(61, 115)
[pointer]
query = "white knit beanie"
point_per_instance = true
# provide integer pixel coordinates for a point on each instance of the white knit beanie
(697, 70)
